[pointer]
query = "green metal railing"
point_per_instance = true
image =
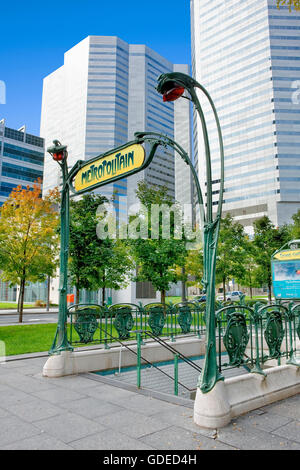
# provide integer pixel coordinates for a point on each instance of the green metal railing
(254, 336)
(95, 324)
(177, 356)
(249, 336)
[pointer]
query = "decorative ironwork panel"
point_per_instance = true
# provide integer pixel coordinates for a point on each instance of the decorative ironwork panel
(86, 325)
(185, 319)
(274, 334)
(156, 320)
(236, 338)
(123, 322)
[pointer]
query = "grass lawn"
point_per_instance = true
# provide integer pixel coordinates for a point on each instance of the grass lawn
(23, 339)
(175, 300)
(10, 305)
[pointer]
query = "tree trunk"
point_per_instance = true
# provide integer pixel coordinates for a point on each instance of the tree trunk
(251, 293)
(77, 292)
(103, 290)
(183, 286)
(103, 295)
(224, 289)
(48, 294)
(270, 291)
(163, 296)
(21, 300)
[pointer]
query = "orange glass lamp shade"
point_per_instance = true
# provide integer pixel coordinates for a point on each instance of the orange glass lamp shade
(58, 157)
(173, 94)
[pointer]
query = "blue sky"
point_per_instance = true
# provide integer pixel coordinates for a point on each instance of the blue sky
(34, 37)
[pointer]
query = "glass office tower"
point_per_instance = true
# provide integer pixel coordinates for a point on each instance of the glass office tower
(21, 159)
(102, 94)
(246, 53)
(21, 164)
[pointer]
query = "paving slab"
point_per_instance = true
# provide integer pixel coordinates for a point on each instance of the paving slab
(15, 397)
(28, 383)
(110, 393)
(92, 408)
(184, 419)
(147, 405)
(110, 440)
(242, 437)
(34, 410)
(69, 427)
(266, 421)
(39, 442)
(58, 395)
(76, 412)
(290, 431)
(4, 413)
(71, 382)
(131, 423)
(12, 429)
(176, 438)
(289, 408)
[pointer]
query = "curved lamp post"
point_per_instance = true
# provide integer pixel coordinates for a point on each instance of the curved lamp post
(59, 154)
(172, 86)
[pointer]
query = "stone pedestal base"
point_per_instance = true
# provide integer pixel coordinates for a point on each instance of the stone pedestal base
(212, 410)
(238, 395)
(59, 365)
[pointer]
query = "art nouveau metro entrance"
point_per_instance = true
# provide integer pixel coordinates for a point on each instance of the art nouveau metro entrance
(250, 337)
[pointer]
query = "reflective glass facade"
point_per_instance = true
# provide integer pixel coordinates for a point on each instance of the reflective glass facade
(103, 93)
(21, 159)
(247, 55)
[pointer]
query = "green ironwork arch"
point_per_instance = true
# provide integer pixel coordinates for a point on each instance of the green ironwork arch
(166, 82)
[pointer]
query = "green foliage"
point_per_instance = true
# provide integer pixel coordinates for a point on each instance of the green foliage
(157, 258)
(267, 239)
(295, 227)
(248, 277)
(230, 257)
(94, 263)
(194, 267)
(28, 237)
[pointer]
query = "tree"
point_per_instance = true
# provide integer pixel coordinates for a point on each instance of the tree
(267, 239)
(94, 263)
(248, 276)
(192, 272)
(116, 273)
(295, 227)
(230, 252)
(28, 238)
(156, 255)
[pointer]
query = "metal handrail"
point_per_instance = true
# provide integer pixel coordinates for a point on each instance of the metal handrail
(173, 350)
(148, 362)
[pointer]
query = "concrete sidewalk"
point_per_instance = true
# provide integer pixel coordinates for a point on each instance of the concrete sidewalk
(79, 413)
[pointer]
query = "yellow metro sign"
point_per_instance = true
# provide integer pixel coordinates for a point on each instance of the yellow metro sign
(110, 166)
